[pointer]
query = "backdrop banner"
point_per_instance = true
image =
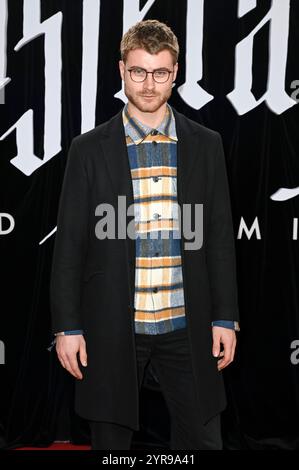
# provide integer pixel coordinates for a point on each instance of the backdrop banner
(239, 75)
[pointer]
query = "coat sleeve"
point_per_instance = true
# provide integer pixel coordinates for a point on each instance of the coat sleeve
(70, 245)
(220, 245)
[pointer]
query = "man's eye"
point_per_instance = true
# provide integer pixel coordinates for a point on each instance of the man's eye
(138, 71)
(161, 73)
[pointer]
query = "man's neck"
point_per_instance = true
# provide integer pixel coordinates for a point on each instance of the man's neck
(149, 119)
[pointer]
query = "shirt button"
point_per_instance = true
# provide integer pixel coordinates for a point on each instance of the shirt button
(155, 290)
(156, 216)
(154, 132)
(156, 179)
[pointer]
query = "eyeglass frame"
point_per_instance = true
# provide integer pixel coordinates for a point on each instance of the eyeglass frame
(141, 68)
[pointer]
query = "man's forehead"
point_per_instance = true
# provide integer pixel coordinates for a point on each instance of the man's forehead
(143, 58)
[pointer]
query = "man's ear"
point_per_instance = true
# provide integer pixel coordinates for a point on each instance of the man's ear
(175, 71)
(121, 69)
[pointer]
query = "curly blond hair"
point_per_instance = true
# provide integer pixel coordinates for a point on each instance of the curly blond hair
(152, 36)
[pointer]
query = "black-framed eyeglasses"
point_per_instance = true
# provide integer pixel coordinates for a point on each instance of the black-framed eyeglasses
(139, 74)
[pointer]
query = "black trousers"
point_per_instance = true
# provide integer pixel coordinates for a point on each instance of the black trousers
(170, 358)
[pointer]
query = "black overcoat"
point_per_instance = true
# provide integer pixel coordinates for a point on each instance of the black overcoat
(92, 281)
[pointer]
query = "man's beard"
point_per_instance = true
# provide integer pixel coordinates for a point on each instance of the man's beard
(151, 107)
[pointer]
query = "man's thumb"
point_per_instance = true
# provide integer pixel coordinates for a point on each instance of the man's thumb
(83, 355)
(216, 349)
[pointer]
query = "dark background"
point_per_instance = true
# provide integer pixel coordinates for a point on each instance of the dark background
(36, 394)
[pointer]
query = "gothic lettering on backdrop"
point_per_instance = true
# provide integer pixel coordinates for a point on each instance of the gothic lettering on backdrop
(241, 97)
(3, 54)
(26, 161)
(276, 97)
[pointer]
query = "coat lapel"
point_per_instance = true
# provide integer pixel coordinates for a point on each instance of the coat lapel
(115, 153)
(188, 153)
(113, 142)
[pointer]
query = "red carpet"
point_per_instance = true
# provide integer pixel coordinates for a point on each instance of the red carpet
(57, 446)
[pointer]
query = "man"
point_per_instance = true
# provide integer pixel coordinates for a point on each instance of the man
(120, 302)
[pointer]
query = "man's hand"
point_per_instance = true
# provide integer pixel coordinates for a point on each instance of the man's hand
(67, 347)
(226, 337)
